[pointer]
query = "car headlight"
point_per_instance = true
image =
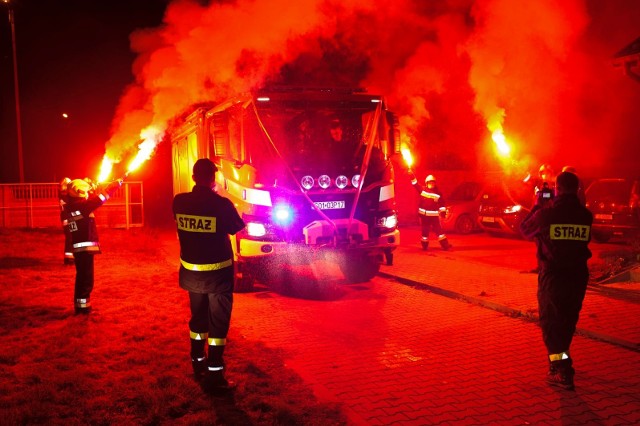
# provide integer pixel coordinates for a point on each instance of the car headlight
(513, 209)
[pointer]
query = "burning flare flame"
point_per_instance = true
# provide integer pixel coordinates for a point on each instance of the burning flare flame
(150, 136)
(501, 142)
(408, 158)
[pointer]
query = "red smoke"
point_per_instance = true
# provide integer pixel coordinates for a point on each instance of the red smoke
(447, 68)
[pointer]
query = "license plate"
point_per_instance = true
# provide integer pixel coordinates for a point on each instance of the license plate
(329, 205)
(488, 219)
(601, 216)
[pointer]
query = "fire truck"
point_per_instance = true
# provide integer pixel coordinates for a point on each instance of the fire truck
(303, 194)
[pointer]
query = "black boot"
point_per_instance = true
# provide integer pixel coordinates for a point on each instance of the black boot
(198, 358)
(425, 245)
(445, 244)
(561, 374)
(215, 380)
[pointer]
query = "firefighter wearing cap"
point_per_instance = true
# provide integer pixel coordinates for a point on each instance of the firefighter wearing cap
(63, 197)
(430, 208)
(562, 231)
(78, 219)
(582, 196)
(204, 221)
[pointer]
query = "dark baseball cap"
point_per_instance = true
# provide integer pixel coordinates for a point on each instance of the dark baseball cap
(204, 169)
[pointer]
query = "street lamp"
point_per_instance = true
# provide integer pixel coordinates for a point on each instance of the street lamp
(16, 91)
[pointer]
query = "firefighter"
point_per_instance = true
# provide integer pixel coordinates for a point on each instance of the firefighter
(204, 222)
(79, 221)
(63, 197)
(582, 196)
(562, 231)
(431, 207)
(544, 182)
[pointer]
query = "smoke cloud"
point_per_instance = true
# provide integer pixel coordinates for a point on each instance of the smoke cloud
(452, 70)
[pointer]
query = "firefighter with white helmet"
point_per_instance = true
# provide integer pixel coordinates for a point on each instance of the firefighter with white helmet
(543, 184)
(204, 221)
(83, 197)
(431, 207)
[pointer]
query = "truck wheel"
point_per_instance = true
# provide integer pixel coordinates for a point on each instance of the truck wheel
(242, 279)
(359, 268)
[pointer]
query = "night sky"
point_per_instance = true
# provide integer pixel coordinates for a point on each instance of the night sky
(449, 68)
(73, 57)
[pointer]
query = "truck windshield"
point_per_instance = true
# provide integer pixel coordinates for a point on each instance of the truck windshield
(317, 137)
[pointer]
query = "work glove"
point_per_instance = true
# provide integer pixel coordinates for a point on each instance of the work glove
(412, 176)
(442, 213)
(113, 186)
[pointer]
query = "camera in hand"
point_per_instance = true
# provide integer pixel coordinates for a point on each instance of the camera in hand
(545, 193)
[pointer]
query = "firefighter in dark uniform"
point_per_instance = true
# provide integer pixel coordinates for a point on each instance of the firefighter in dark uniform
(78, 218)
(581, 192)
(63, 197)
(205, 220)
(562, 231)
(430, 208)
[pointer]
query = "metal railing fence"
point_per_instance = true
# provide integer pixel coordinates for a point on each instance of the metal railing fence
(36, 205)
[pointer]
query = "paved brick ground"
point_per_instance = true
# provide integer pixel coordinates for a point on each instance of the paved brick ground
(447, 341)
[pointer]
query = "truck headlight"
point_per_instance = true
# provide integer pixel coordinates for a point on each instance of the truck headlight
(256, 229)
(307, 182)
(324, 181)
(342, 181)
(388, 222)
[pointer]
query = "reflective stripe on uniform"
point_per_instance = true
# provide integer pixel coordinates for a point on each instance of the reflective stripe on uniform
(82, 303)
(86, 246)
(424, 212)
(430, 195)
(217, 341)
(198, 336)
(206, 266)
(559, 357)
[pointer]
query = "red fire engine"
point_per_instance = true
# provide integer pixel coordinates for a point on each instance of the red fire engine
(309, 171)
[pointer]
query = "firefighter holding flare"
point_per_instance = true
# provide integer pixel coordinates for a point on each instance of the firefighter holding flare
(431, 205)
(430, 209)
(204, 222)
(83, 197)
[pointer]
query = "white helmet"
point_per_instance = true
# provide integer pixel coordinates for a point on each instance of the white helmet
(430, 178)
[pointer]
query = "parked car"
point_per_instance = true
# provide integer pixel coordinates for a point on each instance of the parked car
(462, 208)
(615, 204)
(503, 206)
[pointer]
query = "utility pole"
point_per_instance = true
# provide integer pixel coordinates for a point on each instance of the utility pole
(16, 90)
